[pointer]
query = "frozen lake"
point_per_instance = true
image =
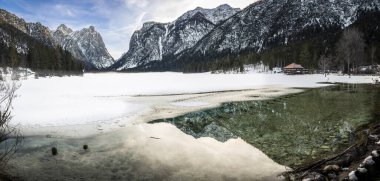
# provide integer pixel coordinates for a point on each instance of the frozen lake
(110, 111)
(104, 96)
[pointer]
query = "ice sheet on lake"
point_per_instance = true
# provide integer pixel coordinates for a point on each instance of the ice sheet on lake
(101, 96)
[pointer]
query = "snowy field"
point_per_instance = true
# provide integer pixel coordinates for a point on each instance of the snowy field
(104, 96)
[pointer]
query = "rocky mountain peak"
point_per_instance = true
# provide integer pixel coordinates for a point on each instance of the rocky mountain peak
(64, 29)
(92, 28)
(223, 7)
(86, 44)
(198, 9)
(148, 25)
(198, 15)
(214, 15)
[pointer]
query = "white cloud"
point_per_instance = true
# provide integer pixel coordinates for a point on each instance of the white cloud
(138, 3)
(63, 10)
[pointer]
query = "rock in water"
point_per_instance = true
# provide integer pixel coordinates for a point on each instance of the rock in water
(314, 176)
(376, 157)
(352, 176)
(54, 151)
(331, 168)
(361, 173)
(368, 162)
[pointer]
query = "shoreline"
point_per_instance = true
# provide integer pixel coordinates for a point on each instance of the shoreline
(339, 166)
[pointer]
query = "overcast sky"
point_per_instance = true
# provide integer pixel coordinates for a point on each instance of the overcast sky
(116, 20)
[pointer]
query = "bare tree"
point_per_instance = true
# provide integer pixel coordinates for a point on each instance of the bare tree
(324, 63)
(351, 49)
(10, 137)
(373, 53)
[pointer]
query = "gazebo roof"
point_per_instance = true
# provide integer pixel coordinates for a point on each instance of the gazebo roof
(294, 66)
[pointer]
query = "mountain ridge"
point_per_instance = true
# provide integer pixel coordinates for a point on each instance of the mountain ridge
(265, 25)
(155, 41)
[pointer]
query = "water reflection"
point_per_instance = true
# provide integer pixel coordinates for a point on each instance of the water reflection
(291, 129)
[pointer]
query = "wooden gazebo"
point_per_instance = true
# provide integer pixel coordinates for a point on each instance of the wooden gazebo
(294, 69)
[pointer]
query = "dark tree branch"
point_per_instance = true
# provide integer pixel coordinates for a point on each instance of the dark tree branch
(7, 147)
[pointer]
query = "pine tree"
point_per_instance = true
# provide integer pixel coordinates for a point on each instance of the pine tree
(13, 57)
(305, 55)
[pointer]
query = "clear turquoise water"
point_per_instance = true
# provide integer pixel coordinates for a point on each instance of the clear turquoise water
(292, 129)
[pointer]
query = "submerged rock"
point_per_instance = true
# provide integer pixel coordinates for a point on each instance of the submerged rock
(54, 151)
(212, 130)
(314, 176)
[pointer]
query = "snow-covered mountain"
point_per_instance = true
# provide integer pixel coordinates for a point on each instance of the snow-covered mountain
(268, 23)
(261, 26)
(86, 44)
(157, 41)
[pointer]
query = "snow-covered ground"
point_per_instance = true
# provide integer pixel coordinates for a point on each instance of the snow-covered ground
(104, 96)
